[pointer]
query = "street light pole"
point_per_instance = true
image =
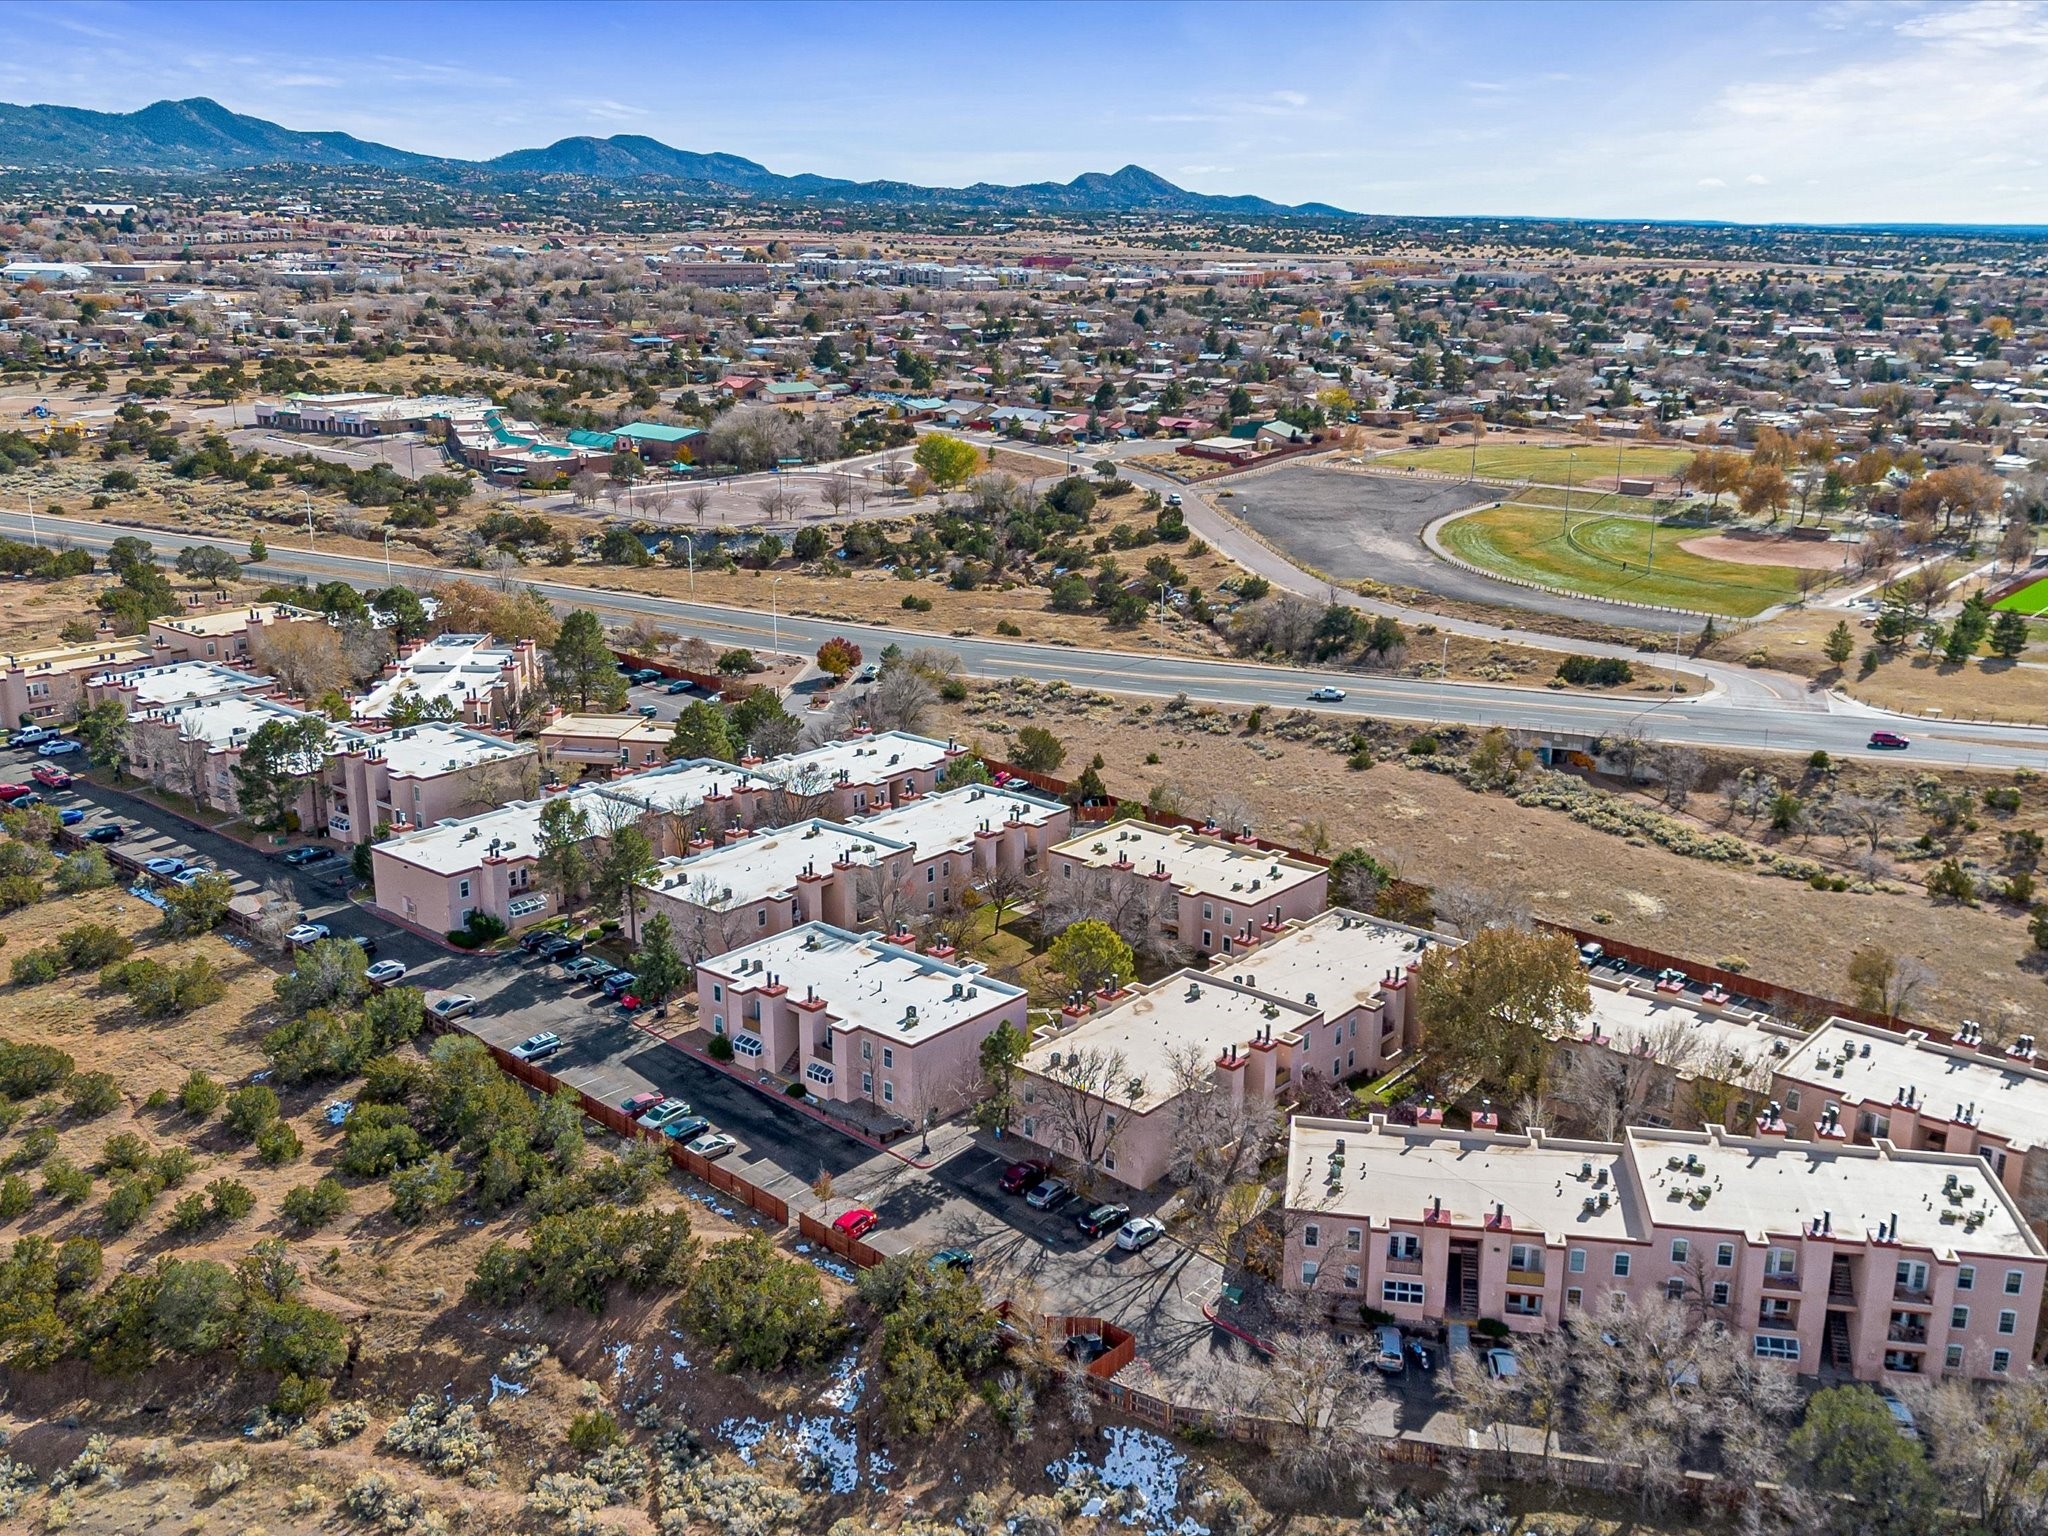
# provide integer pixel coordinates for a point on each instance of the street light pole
(309, 526)
(1570, 461)
(775, 616)
(387, 557)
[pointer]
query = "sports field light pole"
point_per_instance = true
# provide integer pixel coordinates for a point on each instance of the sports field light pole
(1571, 458)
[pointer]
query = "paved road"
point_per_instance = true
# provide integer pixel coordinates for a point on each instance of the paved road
(1718, 720)
(955, 1203)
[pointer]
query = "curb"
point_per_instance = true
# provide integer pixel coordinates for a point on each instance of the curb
(1242, 1334)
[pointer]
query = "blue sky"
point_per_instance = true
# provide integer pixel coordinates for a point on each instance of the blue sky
(1834, 112)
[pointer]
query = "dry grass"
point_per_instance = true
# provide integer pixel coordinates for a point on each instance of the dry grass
(1433, 830)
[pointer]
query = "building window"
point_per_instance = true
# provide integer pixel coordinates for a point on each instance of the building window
(1720, 1293)
(1526, 1257)
(718, 1023)
(1575, 1261)
(1350, 1277)
(1207, 942)
(1621, 1266)
(1573, 1296)
(1404, 1245)
(1782, 1262)
(761, 917)
(1959, 1317)
(888, 1055)
(1773, 1346)
(1792, 1098)
(888, 1093)
(1679, 1249)
(1208, 913)
(1724, 1255)
(2008, 1321)
(1521, 1304)
(867, 1082)
(2015, 1281)
(1674, 1288)
(462, 890)
(717, 993)
(2001, 1361)
(1109, 1161)
(1406, 1293)
(1966, 1277)
(1311, 1235)
(1955, 1357)
(1030, 1129)
(1309, 1270)
(1066, 871)
(867, 1050)
(1353, 1239)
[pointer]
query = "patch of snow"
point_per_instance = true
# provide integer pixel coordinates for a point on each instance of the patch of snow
(679, 1360)
(621, 1354)
(849, 1381)
(828, 1444)
(744, 1436)
(502, 1388)
(1147, 1467)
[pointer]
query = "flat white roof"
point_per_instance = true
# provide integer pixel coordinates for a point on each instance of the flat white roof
(234, 620)
(1398, 1173)
(1208, 866)
(1871, 1066)
(155, 687)
(1690, 1038)
(609, 727)
(865, 982)
(950, 819)
(1335, 961)
(768, 863)
(421, 751)
(680, 786)
(1188, 1008)
(52, 658)
(229, 721)
(449, 847)
(451, 668)
(863, 759)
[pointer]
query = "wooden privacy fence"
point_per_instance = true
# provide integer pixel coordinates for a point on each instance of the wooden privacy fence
(851, 1249)
(774, 1207)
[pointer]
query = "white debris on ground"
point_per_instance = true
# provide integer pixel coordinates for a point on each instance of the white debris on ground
(503, 1388)
(622, 1355)
(827, 1263)
(678, 1360)
(717, 1207)
(337, 1112)
(1140, 1473)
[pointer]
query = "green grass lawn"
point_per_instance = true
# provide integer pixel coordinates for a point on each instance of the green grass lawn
(1529, 543)
(2030, 599)
(1544, 466)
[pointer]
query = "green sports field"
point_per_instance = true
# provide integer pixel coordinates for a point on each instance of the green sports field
(1544, 466)
(2030, 599)
(1610, 557)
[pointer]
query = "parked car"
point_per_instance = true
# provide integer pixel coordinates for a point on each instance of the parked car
(23, 802)
(662, 1113)
(1173, 498)
(307, 933)
(1391, 1359)
(166, 867)
(1086, 1348)
(29, 736)
(951, 1258)
(1326, 695)
(1502, 1365)
(1019, 1177)
(453, 1006)
(70, 816)
(1050, 1195)
(680, 685)
(312, 853)
(1902, 1416)
(712, 1145)
(687, 1129)
(1888, 741)
(585, 967)
(535, 1047)
(1102, 1218)
(531, 940)
(857, 1222)
(649, 675)
(58, 748)
(648, 712)
(363, 942)
(105, 832)
(1139, 1232)
(13, 792)
(618, 984)
(192, 874)
(639, 1104)
(385, 973)
(50, 777)
(556, 947)
(867, 674)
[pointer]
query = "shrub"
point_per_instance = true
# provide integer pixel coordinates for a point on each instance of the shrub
(249, 1110)
(201, 1095)
(90, 946)
(15, 1196)
(1596, 671)
(190, 1213)
(125, 1152)
(277, 1143)
(298, 1397)
(229, 1199)
(28, 1070)
(128, 1203)
(720, 1048)
(173, 1166)
(38, 1144)
(64, 1180)
(311, 1206)
(447, 1437)
(85, 870)
(760, 1310)
(425, 1186)
(916, 604)
(591, 1432)
(94, 1094)
(1005, 627)
(1490, 1328)
(33, 967)
(796, 1091)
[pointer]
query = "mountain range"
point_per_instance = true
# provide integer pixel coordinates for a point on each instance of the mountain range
(199, 136)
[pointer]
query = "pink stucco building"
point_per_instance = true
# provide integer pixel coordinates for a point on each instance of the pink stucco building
(192, 747)
(46, 686)
(1210, 895)
(228, 635)
(472, 677)
(604, 746)
(421, 774)
(857, 1019)
(1877, 1262)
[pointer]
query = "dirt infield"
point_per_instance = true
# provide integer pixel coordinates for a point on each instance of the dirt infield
(1740, 549)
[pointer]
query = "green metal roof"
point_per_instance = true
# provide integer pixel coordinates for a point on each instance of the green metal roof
(654, 432)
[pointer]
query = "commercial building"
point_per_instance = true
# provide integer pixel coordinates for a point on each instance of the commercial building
(1879, 1262)
(857, 1019)
(46, 686)
(362, 413)
(1211, 895)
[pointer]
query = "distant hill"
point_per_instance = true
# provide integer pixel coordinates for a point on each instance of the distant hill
(200, 135)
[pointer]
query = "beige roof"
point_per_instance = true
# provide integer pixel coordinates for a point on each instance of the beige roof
(1858, 1064)
(1207, 866)
(1335, 961)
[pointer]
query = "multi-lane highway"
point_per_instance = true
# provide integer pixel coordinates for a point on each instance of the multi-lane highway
(1715, 719)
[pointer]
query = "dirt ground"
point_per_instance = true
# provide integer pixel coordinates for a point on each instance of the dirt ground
(1804, 554)
(1433, 830)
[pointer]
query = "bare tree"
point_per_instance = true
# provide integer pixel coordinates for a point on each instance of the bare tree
(1629, 750)
(893, 471)
(1136, 909)
(1680, 770)
(900, 700)
(1466, 909)
(698, 499)
(1006, 885)
(837, 494)
(1868, 819)
(709, 925)
(776, 501)
(799, 794)
(880, 898)
(1327, 1407)
(1218, 1140)
(1084, 1098)
(1230, 812)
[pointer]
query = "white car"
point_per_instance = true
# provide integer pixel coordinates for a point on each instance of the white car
(191, 875)
(385, 972)
(712, 1145)
(1139, 1232)
(453, 1006)
(1502, 1365)
(304, 934)
(535, 1047)
(1326, 696)
(164, 868)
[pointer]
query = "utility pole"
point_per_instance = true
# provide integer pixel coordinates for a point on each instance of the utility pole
(309, 526)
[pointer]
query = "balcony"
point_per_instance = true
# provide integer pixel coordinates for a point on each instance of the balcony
(1769, 1316)
(1531, 1278)
(1404, 1266)
(1907, 1332)
(1913, 1295)
(822, 1052)
(1781, 1282)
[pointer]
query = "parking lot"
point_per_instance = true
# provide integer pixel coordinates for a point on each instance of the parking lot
(953, 1203)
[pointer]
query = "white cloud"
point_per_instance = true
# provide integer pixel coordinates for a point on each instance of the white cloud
(1711, 183)
(1290, 99)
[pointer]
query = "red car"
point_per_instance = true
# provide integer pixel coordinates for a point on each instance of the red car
(10, 792)
(1888, 741)
(639, 1104)
(857, 1222)
(1019, 1177)
(51, 778)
